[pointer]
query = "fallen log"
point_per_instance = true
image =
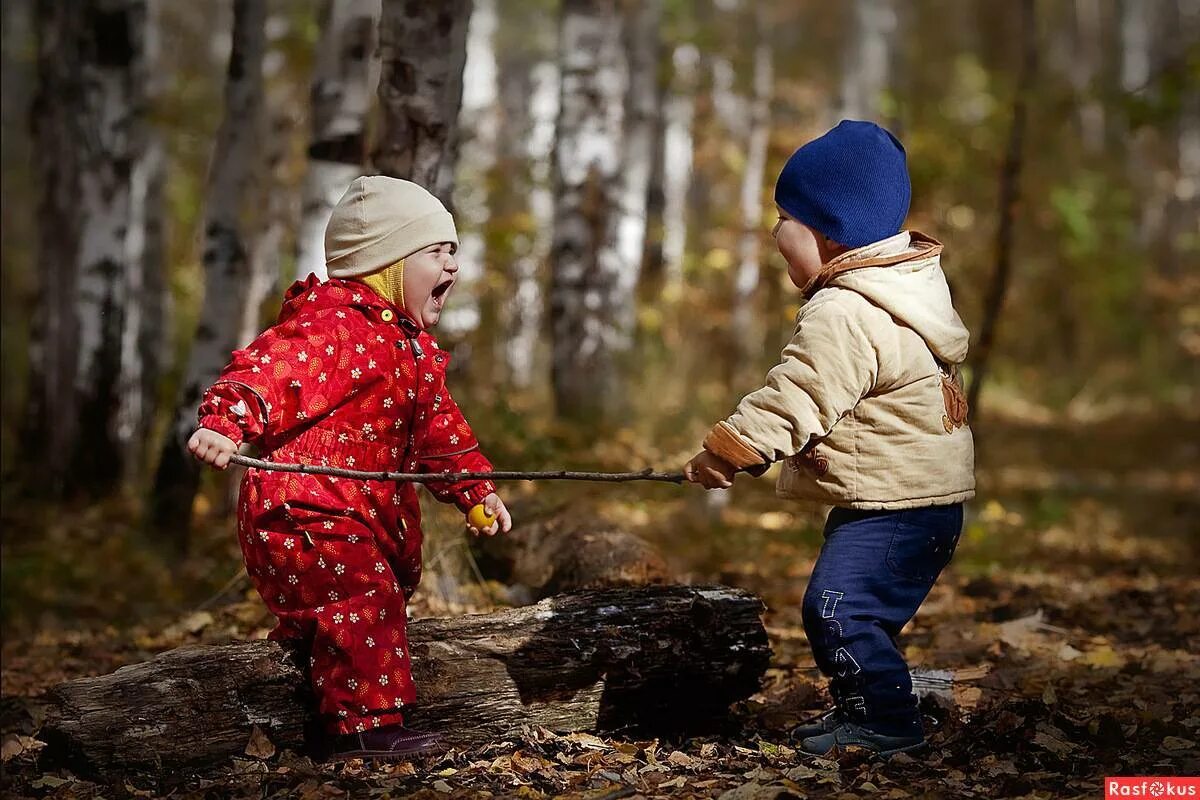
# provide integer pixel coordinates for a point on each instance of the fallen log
(556, 557)
(647, 660)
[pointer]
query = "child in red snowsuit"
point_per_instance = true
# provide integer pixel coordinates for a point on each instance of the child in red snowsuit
(350, 377)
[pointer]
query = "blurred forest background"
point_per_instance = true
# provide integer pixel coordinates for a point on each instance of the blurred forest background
(167, 168)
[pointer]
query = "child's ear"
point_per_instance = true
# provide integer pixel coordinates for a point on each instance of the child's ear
(834, 248)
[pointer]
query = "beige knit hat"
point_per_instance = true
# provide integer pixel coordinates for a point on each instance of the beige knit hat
(379, 221)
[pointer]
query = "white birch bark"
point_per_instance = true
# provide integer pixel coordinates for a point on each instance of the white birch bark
(1136, 24)
(227, 247)
(144, 338)
(678, 155)
(274, 217)
(745, 327)
(228, 240)
(98, 161)
(585, 293)
(345, 77)
(526, 309)
(423, 50)
(628, 225)
(867, 60)
(479, 122)
(728, 103)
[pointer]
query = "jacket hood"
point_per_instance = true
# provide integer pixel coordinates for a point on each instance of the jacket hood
(903, 275)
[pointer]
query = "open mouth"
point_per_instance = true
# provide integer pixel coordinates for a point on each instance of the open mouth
(440, 291)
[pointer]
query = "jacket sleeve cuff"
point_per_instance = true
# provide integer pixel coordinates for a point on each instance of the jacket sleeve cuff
(725, 442)
(223, 426)
(473, 495)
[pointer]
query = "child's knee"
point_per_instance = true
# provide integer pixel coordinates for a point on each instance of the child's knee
(812, 612)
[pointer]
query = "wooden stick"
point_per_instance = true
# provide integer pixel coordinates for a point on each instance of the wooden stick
(438, 477)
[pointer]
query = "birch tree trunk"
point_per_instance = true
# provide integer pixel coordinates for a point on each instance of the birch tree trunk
(867, 60)
(641, 35)
(524, 319)
(678, 153)
(479, 117)
(227, 248)
(98, 164)
(145, 340)
(587, 284)
(746, 329)
(423, 50)
(345, 77)
(270, 191)
(270, 185)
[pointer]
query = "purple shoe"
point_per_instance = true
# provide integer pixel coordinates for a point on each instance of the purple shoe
(388, 743)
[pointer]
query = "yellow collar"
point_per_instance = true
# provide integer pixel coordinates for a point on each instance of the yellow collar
(388, 283)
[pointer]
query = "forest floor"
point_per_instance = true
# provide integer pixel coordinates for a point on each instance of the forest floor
(1060, 647)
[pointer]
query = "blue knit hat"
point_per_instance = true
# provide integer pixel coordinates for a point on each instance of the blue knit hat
(850, 184)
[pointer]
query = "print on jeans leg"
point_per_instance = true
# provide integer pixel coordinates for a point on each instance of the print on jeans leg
(829, 608)
(847, 665)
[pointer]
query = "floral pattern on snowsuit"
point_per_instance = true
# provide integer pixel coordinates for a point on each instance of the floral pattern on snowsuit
(343, 379)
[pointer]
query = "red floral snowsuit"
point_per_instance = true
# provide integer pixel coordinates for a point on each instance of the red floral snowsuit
(343, 379)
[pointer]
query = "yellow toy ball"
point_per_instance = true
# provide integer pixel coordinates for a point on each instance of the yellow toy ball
(479, 518)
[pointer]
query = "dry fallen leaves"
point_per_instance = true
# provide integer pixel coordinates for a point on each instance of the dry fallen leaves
(260, 745)
(15, 744)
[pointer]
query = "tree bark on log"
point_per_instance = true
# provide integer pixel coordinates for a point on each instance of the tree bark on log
(554, 557)
(655, 659)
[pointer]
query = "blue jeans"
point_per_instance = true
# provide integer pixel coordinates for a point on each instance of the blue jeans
(874, 571)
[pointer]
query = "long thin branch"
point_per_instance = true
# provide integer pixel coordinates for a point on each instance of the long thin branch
(438, 477)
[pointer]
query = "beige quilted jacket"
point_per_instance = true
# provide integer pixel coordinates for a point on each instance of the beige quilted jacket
(866, 407)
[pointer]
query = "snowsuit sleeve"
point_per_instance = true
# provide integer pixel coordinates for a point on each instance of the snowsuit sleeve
(267, 387)
(451, 446)
(827, 367)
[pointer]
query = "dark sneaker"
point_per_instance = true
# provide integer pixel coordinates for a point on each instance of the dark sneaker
(828, 721)
(848, 734)
(389, 743)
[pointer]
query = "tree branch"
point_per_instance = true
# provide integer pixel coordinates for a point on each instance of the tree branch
(438, 477)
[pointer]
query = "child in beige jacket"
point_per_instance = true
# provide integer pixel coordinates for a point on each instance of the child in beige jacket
(867, 413)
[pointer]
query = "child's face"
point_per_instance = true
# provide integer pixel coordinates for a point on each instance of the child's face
(805, 250)
(800, 246)
(429, 276)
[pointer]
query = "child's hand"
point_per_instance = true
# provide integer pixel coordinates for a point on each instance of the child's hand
(494, 507)
(710, 471)
(212, 448)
